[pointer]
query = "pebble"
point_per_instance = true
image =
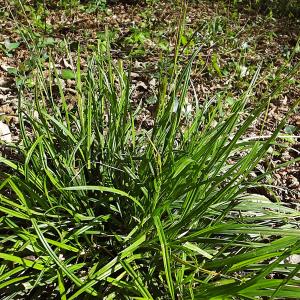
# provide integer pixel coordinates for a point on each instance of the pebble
(5, 134)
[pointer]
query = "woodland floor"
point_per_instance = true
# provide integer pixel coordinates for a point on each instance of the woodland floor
(233, 41)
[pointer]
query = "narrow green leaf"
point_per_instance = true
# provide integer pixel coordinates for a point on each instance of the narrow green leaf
(61, 286)
(198, 250)
(165, 254)
(104, 189)
(22, 261)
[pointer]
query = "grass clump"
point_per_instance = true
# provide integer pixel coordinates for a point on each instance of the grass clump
(94, 207)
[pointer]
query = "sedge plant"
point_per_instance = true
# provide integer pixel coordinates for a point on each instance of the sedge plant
(93, 207)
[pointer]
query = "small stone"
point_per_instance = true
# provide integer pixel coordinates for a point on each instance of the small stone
(5, 134)
(293, 259)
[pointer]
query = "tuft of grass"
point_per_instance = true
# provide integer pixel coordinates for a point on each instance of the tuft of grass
(94, 207)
